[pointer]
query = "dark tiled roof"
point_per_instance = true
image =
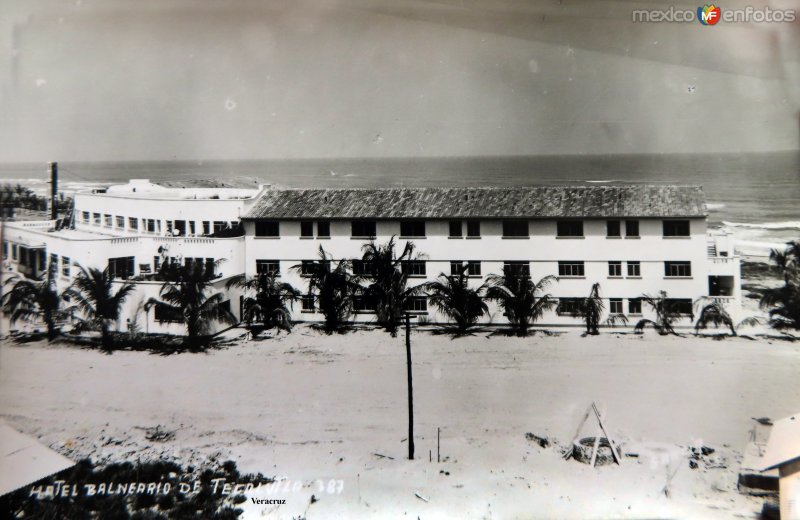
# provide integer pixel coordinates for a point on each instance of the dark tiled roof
(442, 203)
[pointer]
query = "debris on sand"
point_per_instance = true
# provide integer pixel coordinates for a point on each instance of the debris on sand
(543, 442)
(157, 433)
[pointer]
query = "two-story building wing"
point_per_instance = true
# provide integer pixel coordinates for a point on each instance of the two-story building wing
(632, 239)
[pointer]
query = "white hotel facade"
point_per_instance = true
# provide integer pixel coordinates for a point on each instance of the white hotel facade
(632, 239)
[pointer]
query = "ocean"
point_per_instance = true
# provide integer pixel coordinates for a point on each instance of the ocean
(755, 196)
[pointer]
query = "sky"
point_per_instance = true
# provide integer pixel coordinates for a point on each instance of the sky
(118, 80)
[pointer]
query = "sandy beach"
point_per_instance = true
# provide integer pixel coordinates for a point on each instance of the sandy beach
(312, 409)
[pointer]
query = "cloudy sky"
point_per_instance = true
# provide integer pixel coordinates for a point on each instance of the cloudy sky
(210, 79)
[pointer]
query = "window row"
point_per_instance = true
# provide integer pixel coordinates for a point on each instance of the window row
(566, 268)
(514, 228)
(572, 306)
(157, 226)
(565, 307)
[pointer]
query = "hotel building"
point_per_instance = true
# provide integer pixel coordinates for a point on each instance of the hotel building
(631, 239)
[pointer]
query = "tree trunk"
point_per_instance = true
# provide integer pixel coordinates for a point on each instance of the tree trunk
(106, 337)
(52, 331)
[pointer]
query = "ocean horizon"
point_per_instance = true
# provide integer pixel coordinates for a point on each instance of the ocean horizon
(753, 195)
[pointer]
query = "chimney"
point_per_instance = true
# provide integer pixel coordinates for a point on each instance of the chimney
(53, 190)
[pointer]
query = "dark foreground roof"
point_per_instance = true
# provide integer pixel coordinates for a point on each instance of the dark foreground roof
(523, 202)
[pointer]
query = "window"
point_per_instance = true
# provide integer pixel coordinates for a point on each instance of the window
(206, 227)
(169, 227)
(121, 267)
(156, 263)
(65, 266)
(473, 229)
(570, 268)
(307, 229)
(5, 249)
(323, 229)
(85, 217)
(678, 269)
(679, 305)
(108, 220)
(455, 229)
(473, 267)
(676, 228)
(211, 266)
(307, 303)
(569, 306)
(413, 267)
(362, 268)
(120, 222)
(133, 223)
(167, 314)
(515, 228)
(191, 227)
(53, 260)
(517, 268)
(631, 228)
(307, 267)
(219, 225)
(363, 229)
(96, 218)
(264, 228)
(268, 266)
(416, 304)
(613, 228)
(569, 228)
(14, 251)
(615, 305)
(634, 269)
(363, 304)
(615, 269)
(634, 306)
(180, 228)
(150, 225)
(412, 228)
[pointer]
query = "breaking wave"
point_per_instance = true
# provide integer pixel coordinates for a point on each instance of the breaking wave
(791, 224)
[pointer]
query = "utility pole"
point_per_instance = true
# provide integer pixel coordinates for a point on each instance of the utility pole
(410, 390)
(53, 190)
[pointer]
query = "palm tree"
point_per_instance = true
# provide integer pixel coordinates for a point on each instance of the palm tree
(29, 300)
(184, 297)
(712, 313)
(94, 295)
(454, 298)
(520, 298)
(784, 302)
(591, 310)
(387, 283)
(268, 301)
(333, 289)
(666, 314)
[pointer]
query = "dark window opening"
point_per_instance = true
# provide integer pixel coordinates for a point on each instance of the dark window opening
(307, 229)
(265, 228)
(363, 228)
(412, 228)
(613, 228)
(455, 228)
(676, 228)
(515, 228)
(323, 229)
(569, 228)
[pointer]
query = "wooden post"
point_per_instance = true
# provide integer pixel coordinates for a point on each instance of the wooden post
(410, 390)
